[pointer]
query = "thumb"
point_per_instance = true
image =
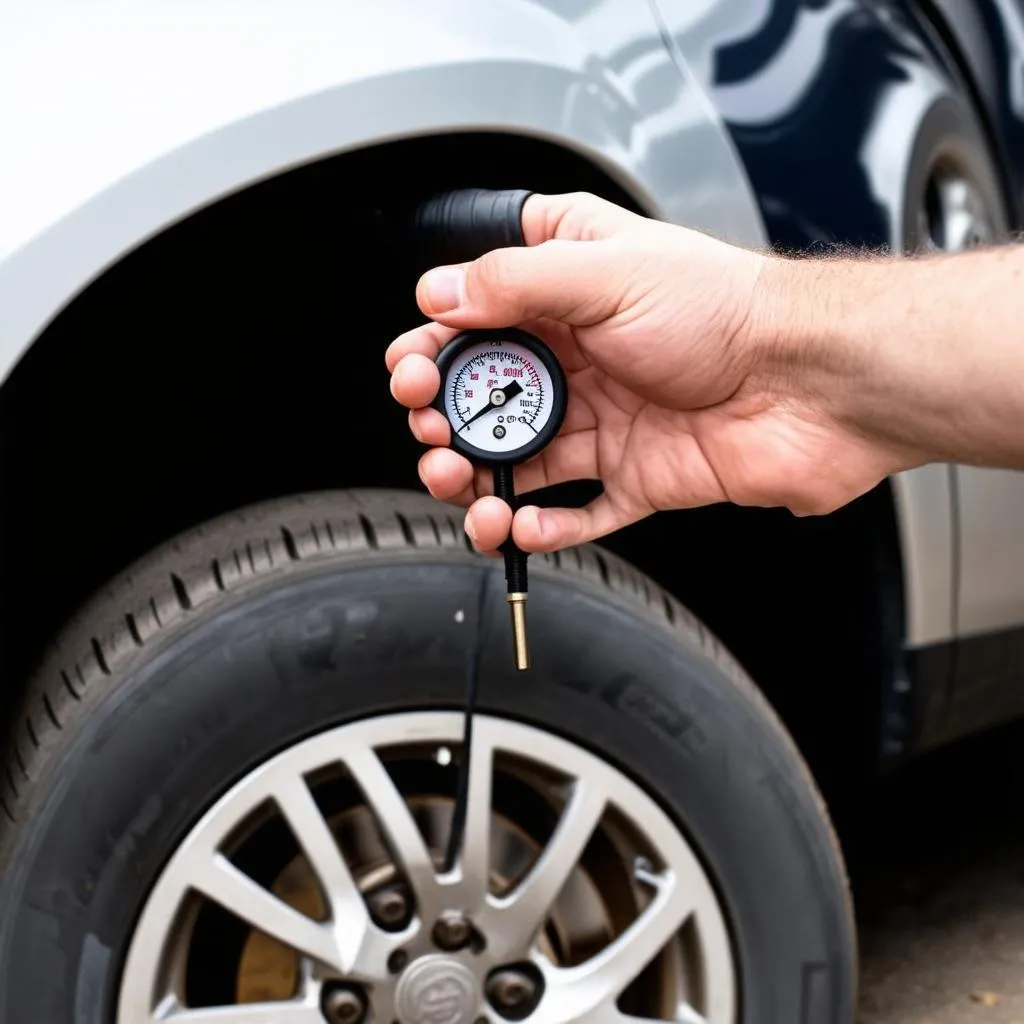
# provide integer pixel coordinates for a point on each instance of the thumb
(579, 283)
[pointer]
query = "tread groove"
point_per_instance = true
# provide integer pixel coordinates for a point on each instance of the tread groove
(218, 576)
(49, 710)
(10, 779)
(156, 614)
(100, 659)
(68, 686)
(602, 565)
(133, 628)
(330, 533)
(436, 529)
(181, 591)
(368, 531)
(31, 729)
(6, 810)
(403, 523)
(18, 758)
(289, 544)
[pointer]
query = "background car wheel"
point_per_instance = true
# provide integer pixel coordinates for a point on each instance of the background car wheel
(954, 197)
(231, 793)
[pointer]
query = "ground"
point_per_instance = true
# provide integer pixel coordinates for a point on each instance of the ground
(938, 868)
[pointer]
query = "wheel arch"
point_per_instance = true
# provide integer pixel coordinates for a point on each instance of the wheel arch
(964, 38)
(188, 403)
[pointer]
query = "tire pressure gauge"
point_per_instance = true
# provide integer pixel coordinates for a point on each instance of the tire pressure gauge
(503, 393)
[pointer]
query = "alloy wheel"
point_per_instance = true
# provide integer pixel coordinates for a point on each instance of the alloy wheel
(316, 891)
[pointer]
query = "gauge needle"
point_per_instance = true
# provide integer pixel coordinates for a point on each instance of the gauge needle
(498, 397)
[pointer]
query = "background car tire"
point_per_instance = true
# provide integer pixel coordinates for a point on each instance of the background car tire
(270, 625)
(953, 184)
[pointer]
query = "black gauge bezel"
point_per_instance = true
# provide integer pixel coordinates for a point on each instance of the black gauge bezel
(544, 437)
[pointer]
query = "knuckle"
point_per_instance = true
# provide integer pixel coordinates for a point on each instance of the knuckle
(492, 273)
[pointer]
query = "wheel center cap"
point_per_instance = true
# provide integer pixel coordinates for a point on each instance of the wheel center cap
(437, 990)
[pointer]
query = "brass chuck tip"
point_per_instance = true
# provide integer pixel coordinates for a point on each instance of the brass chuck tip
(517, 605)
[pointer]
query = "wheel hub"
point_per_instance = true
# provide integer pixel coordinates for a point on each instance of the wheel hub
(438, 990)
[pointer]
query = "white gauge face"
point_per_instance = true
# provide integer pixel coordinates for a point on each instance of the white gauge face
(498, 396)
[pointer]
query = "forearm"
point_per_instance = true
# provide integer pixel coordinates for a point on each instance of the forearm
(924, 355)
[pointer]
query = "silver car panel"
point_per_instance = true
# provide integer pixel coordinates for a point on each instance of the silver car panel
(119, 119)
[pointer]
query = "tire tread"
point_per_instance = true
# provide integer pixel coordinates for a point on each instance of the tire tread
(174, 584)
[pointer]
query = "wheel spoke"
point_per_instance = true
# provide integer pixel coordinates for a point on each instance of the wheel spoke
(517, 918)
(250, 1013)
(400, 829)
(474, 861)
(219, 880)
(348, 910)
(602, 979)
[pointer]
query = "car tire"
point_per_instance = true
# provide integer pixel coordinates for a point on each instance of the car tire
(954, 196)
(267, 627)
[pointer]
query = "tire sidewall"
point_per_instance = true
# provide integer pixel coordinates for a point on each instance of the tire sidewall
(288, 659)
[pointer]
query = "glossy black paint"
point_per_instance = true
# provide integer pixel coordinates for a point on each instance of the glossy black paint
(804, 97)
(809, 153)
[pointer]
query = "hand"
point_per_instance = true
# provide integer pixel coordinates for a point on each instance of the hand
(681, 388)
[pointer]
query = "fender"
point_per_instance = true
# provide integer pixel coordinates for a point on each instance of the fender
(123, 119)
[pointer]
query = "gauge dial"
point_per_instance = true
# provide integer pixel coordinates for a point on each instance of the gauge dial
(503, 394)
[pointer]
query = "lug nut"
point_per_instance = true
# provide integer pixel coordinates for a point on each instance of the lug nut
(343, 1005)
(452, 931)
(390, 907)
(515, 991)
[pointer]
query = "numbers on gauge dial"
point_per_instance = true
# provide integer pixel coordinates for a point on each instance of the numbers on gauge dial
(498, 396)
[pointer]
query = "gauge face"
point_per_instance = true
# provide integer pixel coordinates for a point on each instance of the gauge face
(502, 394)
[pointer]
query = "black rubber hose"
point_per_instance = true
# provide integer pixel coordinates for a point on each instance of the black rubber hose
(515, 559)
(455, 227)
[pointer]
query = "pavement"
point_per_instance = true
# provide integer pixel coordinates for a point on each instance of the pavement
(937, 863)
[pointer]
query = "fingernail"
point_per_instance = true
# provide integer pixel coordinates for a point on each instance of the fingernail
(443, 289)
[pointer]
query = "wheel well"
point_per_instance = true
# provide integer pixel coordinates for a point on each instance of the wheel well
(959, 34)
(239, 356)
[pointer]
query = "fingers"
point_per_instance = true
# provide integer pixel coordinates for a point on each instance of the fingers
(415, 381)
(551, 529)
(536, 529)
(578, 283)
(428, 426)
(574, 216)
(426, 340)
(487, 523)
(448, 476)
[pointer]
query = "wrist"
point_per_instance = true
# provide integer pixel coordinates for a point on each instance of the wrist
(823, 331)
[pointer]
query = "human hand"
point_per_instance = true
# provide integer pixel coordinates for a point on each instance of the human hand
(682, 391)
